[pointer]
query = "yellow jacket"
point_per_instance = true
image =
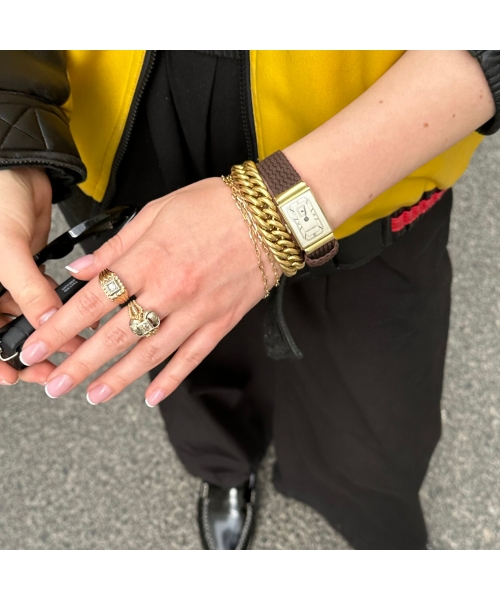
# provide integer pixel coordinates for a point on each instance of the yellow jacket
(292, 93)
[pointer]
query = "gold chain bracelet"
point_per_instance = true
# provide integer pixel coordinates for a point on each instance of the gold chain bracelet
(266, 217)
(254, 234)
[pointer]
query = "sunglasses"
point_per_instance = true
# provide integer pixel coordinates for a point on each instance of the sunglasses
(16, 332)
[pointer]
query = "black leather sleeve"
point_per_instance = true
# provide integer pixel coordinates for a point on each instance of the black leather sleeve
(490, 63)
(33, 128)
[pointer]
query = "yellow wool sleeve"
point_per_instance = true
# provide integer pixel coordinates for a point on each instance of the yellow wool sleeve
(103, 83)
(296, 91)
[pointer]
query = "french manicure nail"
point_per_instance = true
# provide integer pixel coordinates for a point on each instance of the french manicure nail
(155, 398)
(98, 394)
(34, 353)
(81, 263)
(58, 386)
(3, 382)
(46, 316)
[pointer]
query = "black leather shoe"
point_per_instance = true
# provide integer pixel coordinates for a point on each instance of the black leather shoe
(226, 516)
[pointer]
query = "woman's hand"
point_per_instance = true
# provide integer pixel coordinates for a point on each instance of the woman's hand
(187, 257)
(25, 216)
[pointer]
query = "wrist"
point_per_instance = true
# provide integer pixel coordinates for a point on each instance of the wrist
(310, 169)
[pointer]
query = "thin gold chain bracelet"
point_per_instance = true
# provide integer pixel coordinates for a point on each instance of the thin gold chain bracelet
(254, 234)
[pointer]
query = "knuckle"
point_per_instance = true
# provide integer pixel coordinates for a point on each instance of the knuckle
(119, 382)
(116, 339)
(193, 358)
(58, 331)
(191, 283)
(145, 210)
(225, 323)
(150, 353)
(172, 381)
(188, 282)
(151, 253)
(79, 369)
(89, 304)
(112, 248)
(29, 294)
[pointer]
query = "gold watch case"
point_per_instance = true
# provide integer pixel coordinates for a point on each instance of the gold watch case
(304, 217)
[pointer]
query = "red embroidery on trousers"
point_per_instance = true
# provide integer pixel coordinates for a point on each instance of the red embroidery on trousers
(408, 216)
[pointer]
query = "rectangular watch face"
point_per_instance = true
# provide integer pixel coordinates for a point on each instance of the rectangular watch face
(305, 219)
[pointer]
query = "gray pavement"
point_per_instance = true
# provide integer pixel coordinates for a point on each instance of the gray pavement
(77, 476)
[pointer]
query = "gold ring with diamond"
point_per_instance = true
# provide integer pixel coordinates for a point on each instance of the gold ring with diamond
(143, 323)
(112, 286)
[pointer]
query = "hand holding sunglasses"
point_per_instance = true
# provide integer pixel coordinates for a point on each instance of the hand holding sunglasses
(185, 272)
(14, 334)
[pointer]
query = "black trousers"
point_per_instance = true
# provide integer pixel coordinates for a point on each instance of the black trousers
(355, 421)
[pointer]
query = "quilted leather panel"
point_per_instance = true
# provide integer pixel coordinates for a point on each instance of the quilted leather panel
(19, 128)
(27, 127)
(33, 132)
(33, 128)
(490, 63)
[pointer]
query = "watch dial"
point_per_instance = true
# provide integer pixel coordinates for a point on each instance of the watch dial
(305, 218)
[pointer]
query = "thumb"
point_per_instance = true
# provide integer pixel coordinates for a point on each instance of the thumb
(27, 285)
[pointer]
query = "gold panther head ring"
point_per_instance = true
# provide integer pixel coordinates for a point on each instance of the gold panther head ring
(143, 323)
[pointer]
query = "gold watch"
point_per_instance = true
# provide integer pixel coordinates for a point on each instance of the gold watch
(299, 209)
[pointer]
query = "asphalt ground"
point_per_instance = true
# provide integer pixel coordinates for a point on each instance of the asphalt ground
(83, 477)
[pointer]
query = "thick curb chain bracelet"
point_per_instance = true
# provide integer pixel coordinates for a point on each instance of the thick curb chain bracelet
(259, 203)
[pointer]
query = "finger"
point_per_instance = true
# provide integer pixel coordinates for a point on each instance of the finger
(41, 372)
(8, 375)
(110, 252)
(27, 286)
(190, 355)
(9, 306)
(85, 308)
(113, 338)
(10, 309)
(38, 373)
(147, 354)
(89, 305)
(72, 346)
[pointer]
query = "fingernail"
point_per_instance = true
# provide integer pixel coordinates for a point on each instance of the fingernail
(34, 353)
(46, 316)
(3, 382)
(58, 386)
(81, 263)
(98, 394)
(155, 398)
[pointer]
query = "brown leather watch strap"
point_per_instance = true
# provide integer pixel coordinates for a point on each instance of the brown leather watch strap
(278, 174)
(322, 255)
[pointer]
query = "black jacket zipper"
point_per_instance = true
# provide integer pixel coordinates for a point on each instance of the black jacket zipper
(147, 68)
(246, 105)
